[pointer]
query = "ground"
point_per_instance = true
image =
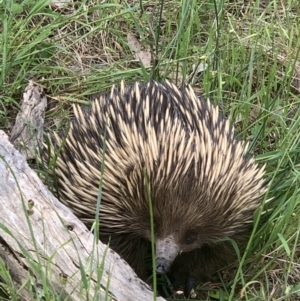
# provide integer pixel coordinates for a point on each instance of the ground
(244, 55)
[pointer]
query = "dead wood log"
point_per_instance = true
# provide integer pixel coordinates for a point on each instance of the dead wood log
(41, 240)
(27, 133)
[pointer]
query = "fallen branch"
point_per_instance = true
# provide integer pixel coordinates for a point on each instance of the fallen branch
(27, 133)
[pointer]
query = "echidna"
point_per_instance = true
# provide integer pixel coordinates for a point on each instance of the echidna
(204, 187)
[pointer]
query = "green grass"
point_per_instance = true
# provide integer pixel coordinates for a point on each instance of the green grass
(251, 51)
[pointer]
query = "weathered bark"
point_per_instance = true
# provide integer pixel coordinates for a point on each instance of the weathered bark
(27, 133)
(47, 234)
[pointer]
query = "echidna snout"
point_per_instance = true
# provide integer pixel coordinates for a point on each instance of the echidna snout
(166, 251)
(162, 265)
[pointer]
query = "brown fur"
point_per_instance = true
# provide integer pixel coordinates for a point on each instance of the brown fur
(203, 185)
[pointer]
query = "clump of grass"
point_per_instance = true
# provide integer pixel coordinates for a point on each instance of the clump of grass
(250, 51)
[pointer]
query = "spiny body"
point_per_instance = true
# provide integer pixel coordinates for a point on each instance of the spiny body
(203, 185)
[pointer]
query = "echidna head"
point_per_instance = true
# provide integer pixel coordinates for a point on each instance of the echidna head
(184, 239)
